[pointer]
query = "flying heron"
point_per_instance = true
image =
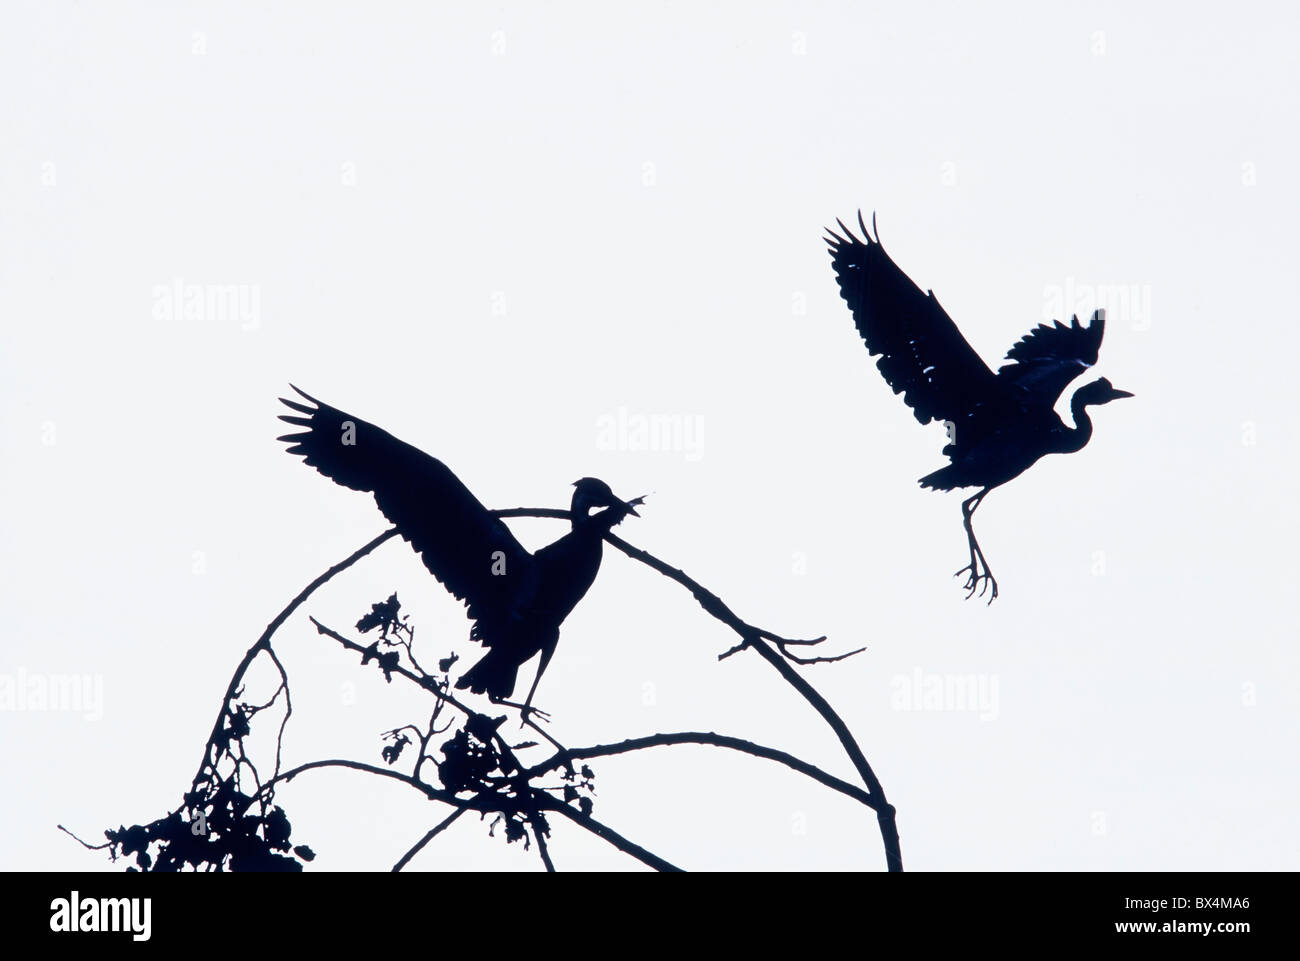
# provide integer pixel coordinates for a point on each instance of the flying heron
(999, 424)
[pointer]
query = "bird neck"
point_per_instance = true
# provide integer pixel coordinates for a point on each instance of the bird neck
(1082, 433)
(598, 524)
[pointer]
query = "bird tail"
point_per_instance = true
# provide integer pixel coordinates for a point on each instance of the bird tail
(493, 675)
(944, 479)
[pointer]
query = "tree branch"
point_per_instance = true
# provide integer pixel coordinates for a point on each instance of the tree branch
(542, 850)
(885, 813)
(84, 844)
(707, 738)
(432, 833)
(546, 802)
(432, 793)
(755, 637)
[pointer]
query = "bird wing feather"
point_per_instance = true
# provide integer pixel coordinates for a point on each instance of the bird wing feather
(467, 548)
(1047, 358)
(923, 355)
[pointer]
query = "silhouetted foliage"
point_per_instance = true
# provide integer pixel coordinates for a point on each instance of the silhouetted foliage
(385, 616)
(219, 827)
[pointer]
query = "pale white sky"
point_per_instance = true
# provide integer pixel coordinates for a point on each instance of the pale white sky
(488, 227)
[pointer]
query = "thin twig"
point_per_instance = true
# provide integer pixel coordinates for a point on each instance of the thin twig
(544, 733)
(264, 642)
(85, 844)
(823, 659)
(432, 833)
(711, 602)
(288, 705)
(438, 691)
(606, 833)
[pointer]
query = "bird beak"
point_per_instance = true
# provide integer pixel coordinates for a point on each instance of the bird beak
(1117, 394)
(633, 504)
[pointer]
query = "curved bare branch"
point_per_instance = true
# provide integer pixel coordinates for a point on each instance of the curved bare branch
(711, 739)
(757, 638)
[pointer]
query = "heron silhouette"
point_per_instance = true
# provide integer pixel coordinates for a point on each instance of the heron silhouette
(998, 425)
(517, 599)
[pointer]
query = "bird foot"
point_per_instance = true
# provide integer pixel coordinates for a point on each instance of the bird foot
(525, 712)
(982, 580)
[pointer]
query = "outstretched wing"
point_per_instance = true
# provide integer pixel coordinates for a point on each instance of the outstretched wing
(462, 544)
(1048, 357)
(924, 357)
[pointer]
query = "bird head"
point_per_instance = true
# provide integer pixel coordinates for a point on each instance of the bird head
(588, 492)
(1100, 391)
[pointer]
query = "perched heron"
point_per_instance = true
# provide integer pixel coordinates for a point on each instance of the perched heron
(517, 599)
(999, 424)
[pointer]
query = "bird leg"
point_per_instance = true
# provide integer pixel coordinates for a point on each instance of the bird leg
(978, 569)
(527, 707)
